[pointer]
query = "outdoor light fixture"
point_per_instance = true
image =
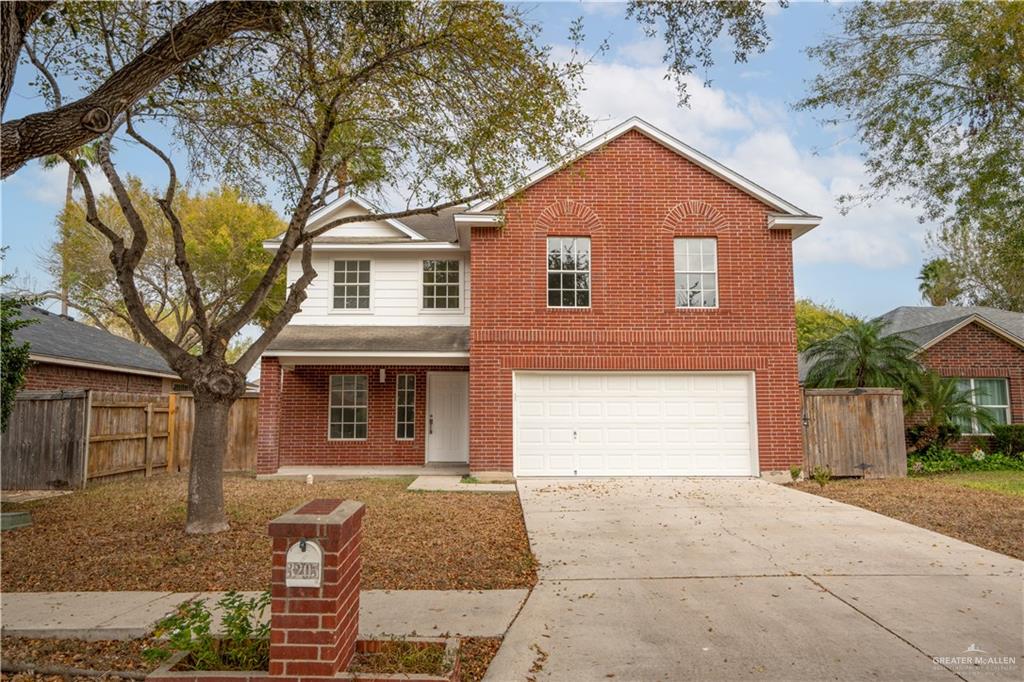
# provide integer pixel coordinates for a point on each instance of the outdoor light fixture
(383, 374)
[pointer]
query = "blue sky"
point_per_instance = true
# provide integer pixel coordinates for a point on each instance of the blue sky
(865, 262)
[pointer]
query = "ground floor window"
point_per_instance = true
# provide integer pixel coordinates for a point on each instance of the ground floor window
(405, 407)
(991, 397)
(348, 411)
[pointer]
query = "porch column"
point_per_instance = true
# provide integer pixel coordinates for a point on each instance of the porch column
(269, 418)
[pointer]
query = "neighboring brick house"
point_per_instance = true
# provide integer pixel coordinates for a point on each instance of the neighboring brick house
(630, 312)
(982, 347)
(67, 354)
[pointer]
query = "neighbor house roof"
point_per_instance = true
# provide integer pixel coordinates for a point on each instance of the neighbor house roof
(299, 339)
(926, 325)
(60, 340)
(789, 215)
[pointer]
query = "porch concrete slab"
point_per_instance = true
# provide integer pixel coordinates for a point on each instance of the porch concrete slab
(945, 616)
(430, 613)
(333, 473)
(85, 615)
(454, 484)
(779, 628)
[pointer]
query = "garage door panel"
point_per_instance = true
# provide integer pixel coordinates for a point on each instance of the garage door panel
(633, 424)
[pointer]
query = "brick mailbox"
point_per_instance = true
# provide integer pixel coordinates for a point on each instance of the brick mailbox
(314, 609)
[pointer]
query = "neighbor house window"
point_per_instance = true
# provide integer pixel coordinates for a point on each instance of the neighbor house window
(991, 397)
(405, 407)
(441, 284)
(351, 285)
(696, 273)
(348, 407)
(568, 272)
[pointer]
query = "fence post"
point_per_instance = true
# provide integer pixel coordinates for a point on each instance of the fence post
(148, 454)
(172, 406)
(85, 436)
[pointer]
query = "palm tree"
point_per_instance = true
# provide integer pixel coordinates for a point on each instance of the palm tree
(86, 157)
(939, 282)
(862, 356)
(942, 407)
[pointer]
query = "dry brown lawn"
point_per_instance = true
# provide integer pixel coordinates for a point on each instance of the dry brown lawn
(129, 536)
(950, 504)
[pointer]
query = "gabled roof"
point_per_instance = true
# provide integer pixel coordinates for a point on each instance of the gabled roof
(61, 340)
(785, 208)
(366, 205)
(927, 325)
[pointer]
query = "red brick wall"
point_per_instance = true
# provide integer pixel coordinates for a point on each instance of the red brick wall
(294, 416)
(632, 197)
(975, 352)
(44, 376)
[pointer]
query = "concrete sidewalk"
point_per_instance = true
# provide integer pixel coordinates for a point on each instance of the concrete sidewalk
(130, 615)
(454, 484)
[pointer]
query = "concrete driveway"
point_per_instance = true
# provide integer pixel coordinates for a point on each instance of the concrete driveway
(728, 579)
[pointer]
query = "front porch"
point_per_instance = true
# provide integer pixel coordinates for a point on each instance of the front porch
(345, 402)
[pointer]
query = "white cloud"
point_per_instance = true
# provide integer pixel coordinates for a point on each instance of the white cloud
(49, 185)
(749, 134)
(649, 52)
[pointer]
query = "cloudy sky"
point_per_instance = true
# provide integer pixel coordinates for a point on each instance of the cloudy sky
(865, 262)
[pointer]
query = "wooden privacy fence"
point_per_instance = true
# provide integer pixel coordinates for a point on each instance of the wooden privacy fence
(60, 439)
(855, 432)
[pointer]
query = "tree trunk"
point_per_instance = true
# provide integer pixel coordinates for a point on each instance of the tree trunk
(206, 471)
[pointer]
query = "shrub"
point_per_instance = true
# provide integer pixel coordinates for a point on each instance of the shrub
(794, 471)
(821, 475)
(922, 437)
(944, 460)
(1008, 439)
(244, 646)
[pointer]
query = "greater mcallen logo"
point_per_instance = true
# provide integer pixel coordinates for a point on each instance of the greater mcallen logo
(977, 658)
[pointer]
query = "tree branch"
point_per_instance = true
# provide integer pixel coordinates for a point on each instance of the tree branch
(16, 18)
(79, 122)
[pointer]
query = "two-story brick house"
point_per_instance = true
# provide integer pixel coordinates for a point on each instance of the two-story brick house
(629, 312)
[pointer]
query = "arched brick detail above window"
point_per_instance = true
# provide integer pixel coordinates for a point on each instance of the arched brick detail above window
(566, 214)
(694, 213)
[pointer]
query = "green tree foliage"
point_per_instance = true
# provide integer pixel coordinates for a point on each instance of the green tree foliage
(223, 236)
(817, 322)
(691, 27)
(935, 92)
(14, 360)
(862, 356)
(939, 282)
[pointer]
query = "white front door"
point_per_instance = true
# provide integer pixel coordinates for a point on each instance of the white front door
(447, 416)
(634, 424)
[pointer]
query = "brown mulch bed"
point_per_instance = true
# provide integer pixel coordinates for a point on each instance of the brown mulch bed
(981, 517)
(476, 652)
(129, 536)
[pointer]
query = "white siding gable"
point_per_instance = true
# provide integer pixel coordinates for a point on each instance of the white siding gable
(396, 289)
(376, 228)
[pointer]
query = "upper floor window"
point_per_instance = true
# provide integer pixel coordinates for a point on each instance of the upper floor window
(348, 407)
(991, 397)
(441, 285)
(351, 285)
(696, 268)
(568, 272)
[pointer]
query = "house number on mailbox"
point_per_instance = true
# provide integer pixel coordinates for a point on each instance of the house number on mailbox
(304, 565)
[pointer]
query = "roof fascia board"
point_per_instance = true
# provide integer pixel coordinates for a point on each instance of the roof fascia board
(367, 354)
(272, 245)
(55, 360)
(681, 148)
(479, 219)
(975, 318)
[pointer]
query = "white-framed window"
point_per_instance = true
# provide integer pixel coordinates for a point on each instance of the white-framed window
(442, 285)
(696, 268)
(351, 285)
(991, 396)
(568, 272)
(348, 407)
(405, 407)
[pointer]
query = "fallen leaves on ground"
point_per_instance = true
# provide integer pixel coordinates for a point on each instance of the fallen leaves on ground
(981, 517)
(129, 535)
(74, 653)
(477, 654)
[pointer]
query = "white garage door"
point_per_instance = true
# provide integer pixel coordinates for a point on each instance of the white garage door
(626, 424)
